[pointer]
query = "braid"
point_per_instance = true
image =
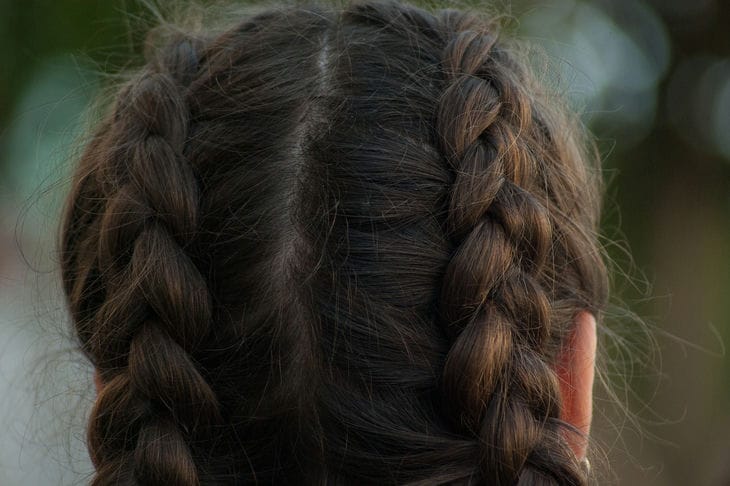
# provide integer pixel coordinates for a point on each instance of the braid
(156, 311)
(498, 382)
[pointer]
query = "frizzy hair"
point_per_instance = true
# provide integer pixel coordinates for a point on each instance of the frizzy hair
(332, 246)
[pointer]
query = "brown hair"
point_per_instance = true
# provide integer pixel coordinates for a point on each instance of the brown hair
(333, 246)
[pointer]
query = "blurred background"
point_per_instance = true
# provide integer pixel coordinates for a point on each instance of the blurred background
(652, 79)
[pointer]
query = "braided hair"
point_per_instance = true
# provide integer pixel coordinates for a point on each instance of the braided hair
(332, 246)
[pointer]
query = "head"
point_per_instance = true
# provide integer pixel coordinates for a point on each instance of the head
(336, 246)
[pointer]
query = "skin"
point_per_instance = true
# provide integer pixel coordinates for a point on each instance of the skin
(576, 373)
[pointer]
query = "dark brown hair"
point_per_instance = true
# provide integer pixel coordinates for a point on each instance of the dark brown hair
(333, 246)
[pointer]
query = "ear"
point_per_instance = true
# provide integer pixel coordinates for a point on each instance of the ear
(576, 372)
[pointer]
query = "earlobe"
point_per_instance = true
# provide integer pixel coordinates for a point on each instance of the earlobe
(576, 373)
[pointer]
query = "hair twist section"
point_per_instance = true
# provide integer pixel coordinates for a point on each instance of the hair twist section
(496, 380)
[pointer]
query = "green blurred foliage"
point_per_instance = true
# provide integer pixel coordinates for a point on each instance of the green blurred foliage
(33, 30)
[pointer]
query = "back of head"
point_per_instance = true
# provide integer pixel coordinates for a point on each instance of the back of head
(332, 246)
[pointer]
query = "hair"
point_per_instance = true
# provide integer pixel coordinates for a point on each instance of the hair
(333, 245)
